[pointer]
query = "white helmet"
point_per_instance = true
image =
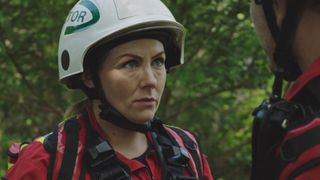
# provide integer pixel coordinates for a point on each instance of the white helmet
(92, 21)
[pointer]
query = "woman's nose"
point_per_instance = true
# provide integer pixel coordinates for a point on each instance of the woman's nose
(148, 77)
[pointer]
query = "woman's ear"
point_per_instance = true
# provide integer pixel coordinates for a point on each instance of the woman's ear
(280, 9)
(87, 79)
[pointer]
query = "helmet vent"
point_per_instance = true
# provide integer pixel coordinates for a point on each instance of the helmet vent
(65, 60)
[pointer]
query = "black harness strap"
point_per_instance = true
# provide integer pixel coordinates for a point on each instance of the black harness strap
(50, 145)
(51, 166)
(192, 147)
(176, 158)
(100, 158)
(88, 138)
(104, 164)
(71, 148)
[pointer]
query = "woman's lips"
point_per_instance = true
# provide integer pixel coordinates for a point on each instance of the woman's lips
(145, 102)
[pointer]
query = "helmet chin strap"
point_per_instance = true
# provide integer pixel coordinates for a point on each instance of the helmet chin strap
(284, 59)
(287, 67)
(112, 115)
(277, 85)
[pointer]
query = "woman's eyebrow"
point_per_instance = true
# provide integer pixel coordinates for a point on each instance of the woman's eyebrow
(158, 54)
(137, 56)
(129, 54)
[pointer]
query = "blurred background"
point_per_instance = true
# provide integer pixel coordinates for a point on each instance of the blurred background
(225, 76)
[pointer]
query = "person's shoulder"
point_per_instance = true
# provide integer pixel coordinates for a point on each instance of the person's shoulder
(34, 150)
(32, 161)
(191, 144)
(182, 132)
(175, 127)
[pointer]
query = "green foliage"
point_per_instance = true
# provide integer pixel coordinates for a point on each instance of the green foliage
(212, 94)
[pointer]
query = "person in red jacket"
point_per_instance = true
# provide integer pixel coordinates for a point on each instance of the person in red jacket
(286, 130)
(118, 54)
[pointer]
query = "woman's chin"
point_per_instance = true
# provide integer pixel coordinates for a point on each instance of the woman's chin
(142, 119)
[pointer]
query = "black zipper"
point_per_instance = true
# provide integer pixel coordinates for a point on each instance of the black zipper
(305, 167)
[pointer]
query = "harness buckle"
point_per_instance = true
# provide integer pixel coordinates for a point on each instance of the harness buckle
(104, 163)
(100, 154)
(177, 156)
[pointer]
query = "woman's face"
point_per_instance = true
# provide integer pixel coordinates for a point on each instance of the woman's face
(133, 77)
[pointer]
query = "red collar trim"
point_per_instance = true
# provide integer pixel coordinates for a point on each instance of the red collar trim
(136, 165)
(312, 72)
(94, 123)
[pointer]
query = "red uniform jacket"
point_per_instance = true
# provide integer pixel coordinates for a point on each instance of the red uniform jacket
(33, 162)
(297, 93)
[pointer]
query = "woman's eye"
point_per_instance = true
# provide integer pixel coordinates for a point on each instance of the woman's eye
(158, 63)
(131, 64)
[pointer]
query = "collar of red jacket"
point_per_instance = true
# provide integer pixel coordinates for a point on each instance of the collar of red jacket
(312, 72)
(134, 165)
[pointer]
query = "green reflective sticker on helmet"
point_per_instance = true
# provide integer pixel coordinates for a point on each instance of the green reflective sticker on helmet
(79, 16)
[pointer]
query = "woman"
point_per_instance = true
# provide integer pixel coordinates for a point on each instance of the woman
(117, 53)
